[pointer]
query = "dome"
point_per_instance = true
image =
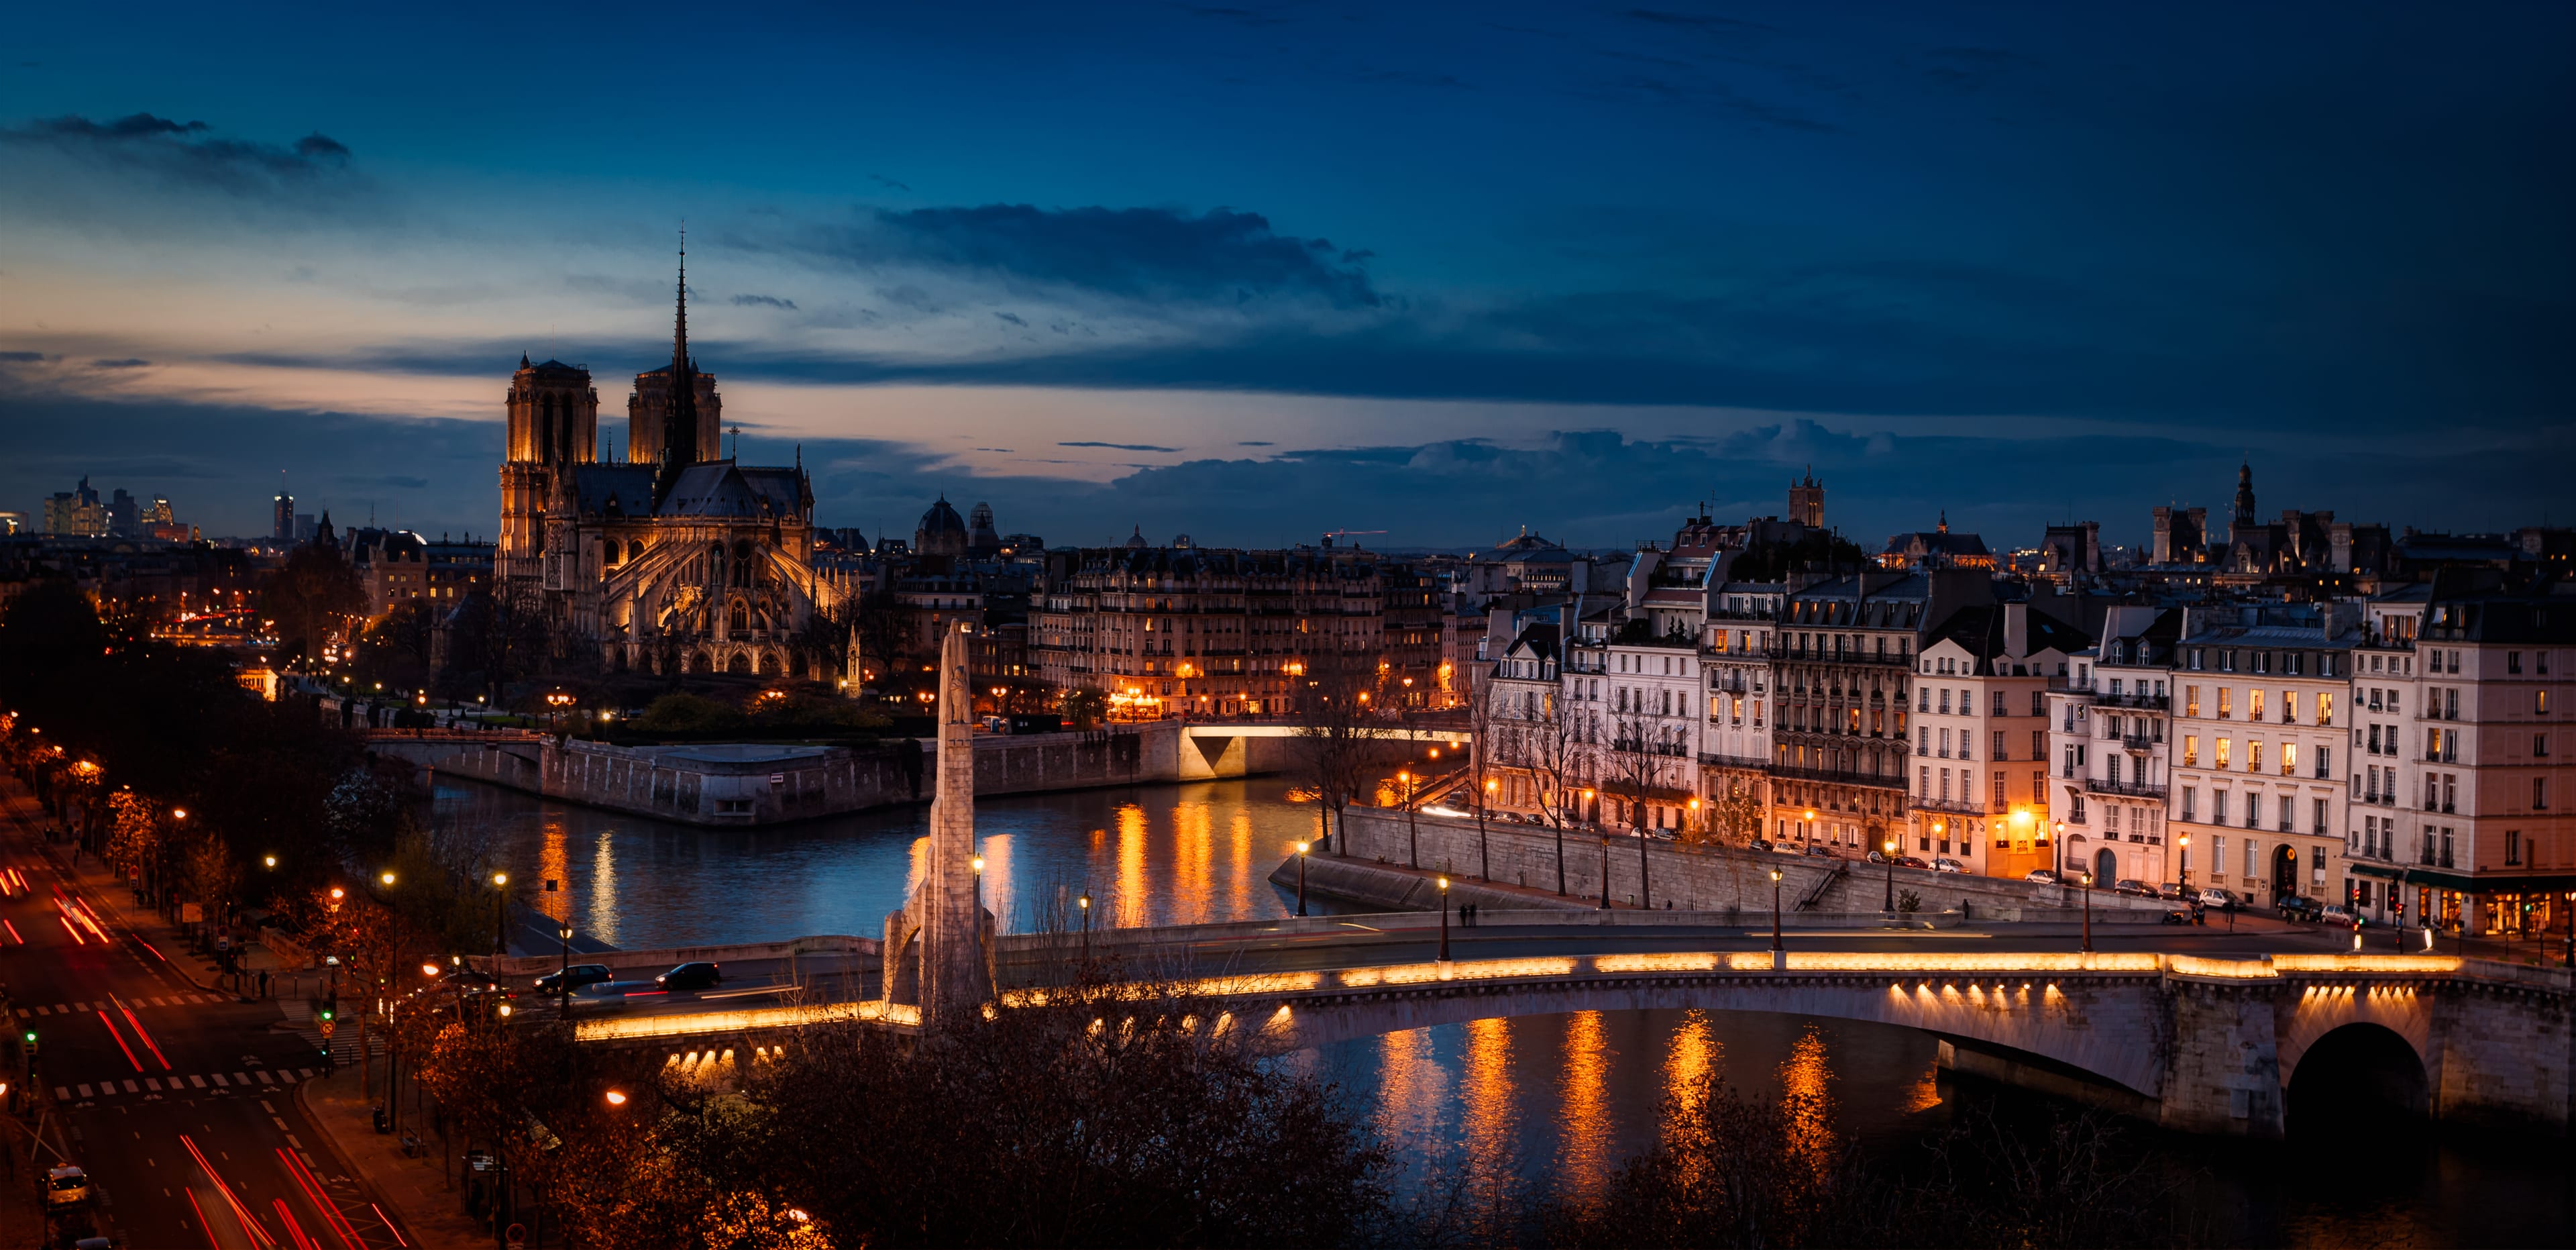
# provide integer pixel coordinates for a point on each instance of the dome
(1136, 541)
(942, 519)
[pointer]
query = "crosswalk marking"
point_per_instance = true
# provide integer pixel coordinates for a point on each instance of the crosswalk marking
(82, 1009)
(152, 1083)
(131, 1088)
(198, 1081)
(225, 1080)
(84, 1091)
(241, 1078)
(62, 1094)
(263, 1079)
(219, 1079)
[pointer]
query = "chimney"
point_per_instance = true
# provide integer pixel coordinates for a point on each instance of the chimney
(2016, 629)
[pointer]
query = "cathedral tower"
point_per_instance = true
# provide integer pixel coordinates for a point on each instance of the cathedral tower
(554, 425)
(1807, 501)
(678, 421)
(2244, 520)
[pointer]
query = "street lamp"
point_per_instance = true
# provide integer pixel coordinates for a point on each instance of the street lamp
(1444, 920)
(616, 1098)
(1085, 900)
(2183, 845)
(1412, 830)
(1888, 848)
(1775, 909)
(2088, 913)
(500, 915)
(1301, 877)
(563, 979)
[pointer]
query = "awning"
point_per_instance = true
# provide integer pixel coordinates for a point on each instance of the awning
(2464, 883)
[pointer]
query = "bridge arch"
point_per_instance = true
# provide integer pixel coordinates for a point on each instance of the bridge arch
(2357, 1075)
(2108, 1028)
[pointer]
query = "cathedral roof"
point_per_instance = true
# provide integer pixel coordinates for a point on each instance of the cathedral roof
(718, 488)
(942, 519)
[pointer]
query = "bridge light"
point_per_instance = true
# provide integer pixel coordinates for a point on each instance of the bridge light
(616, 1098)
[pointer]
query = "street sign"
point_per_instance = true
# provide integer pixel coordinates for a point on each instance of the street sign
(325, 1025)
(778, 779)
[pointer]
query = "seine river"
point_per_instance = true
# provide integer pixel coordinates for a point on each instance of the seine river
(1528, 1108)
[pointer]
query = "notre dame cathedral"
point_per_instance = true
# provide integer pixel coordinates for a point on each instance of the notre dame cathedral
(677, 560)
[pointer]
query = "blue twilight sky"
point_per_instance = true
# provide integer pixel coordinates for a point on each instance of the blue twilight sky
(1251, 270)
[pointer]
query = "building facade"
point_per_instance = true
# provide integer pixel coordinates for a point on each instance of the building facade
(2265, 706)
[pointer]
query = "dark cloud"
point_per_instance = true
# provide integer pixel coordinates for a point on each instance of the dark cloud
(130, 362)
(1254, 442)
(1121, 446)
(763, 301)
(404, 482)
(1221, 255)
(888, 183)
(1012, 318)
(22, 358)
(188, 152)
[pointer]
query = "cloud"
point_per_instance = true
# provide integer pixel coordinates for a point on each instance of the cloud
(1254, 442)
(888, 183)
(763, 301)
(1012, 318)
(129, 362)
(407, 483)
(187, 153)
(1142, 254)
(1121, 446)
(22, 358)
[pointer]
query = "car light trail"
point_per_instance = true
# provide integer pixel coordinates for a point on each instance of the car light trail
(156, 951)
(294, 1230)
(120, 1040)
(67, 928)
(13, 932)
(312, 1187)
(250, 1223)
(202, 1221)
(389, 1225)
(147, 1038)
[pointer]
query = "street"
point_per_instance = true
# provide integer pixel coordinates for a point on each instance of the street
(179, 1102)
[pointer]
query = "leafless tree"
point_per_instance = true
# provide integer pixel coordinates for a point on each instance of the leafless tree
(1336, 728)
(1554, 741)
(1482, 717)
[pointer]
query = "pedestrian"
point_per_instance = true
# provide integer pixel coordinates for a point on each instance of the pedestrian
(2230, 906)
(263, 983)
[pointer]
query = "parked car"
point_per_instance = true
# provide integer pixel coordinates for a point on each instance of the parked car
(2171, 890)
(2338, 914)
(468, 981)
(1947, 864)
(574, 978)
(1908, 861)
(2134, 889)
(1760, 844)
(2213, 896)
(1820, 850)
(2298, 907)
(66, 1187)
(698, 976)
(1878, 857)
(2042, 876)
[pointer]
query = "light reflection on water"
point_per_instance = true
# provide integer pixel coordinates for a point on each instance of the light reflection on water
(1150, 855)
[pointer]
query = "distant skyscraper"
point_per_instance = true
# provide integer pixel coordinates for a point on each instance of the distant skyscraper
(282, 523)
(303, 527)
(78, 511)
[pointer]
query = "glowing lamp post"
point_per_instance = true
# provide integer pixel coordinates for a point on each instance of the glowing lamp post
(1775, 909)
(1301, 877)
(1888, 849)
(1444, 920)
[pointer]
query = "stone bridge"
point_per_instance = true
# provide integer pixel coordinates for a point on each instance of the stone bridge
(2197, 1044)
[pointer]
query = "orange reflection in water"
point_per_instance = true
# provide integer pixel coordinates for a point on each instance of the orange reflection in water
(1925, 1093)
(1807, 1103)
(1490, 1114)
(1582, 1096)
(1413, 1088)
(1192, 849)
(1239, 881)
(554, 864)
(1130, 903)
(1694, 1055)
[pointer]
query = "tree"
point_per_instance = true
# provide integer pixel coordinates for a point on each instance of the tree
(1554, 742)
(1478, 702)
(1335, 727)
(500, 636)
(1083, 707)
(314, 598)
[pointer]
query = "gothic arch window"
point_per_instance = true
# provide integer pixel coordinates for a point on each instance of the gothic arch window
(741, 666)
(635, 550)
(612, 552)
(740, 619)
(763, 666)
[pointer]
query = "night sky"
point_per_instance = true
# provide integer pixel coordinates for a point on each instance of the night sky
(1252, 271)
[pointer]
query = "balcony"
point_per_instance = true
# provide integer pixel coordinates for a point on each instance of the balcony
(2125, 789)
(1717, 759)
(1798, 656)
(1962, 807)
(2141, 742)
(1890, 782)
(2154, 702)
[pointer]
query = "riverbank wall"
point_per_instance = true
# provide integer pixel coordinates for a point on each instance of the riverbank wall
(1701, 878)
(735, 784)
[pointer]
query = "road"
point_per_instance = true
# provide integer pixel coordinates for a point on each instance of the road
(178, 1102)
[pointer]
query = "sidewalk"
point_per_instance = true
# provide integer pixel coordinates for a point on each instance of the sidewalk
(413, 1189)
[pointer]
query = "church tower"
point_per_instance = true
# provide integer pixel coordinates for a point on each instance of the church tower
(678, 421)
(1807, 501)
(553, 425)
(2244, 520)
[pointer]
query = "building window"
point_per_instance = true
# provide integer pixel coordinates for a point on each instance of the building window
(2190, 797)
(2289, 759)
(2218, 807)
(2512, 847)
(2540, 794)
(2191, 750)
(2325, 762)
(2254, 704)
(2226, 702)
(2253, 809)
(2318, 825)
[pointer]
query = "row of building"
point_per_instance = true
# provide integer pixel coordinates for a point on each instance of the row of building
(2402, 750)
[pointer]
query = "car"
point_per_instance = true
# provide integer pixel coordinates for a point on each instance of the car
(574, 977)
(470, 981)
(2134, 889)
(2298, 907)
(697, 976)
(66, 1186)
(1877, 857)
(2042, 876)
(1908, 861)
(1759, 844)
(1947, 864)
(1820, 850)
(2171, 891)
(2213, 896)
(2338, 914)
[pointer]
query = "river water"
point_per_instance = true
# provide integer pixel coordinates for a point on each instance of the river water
(1522, 1109)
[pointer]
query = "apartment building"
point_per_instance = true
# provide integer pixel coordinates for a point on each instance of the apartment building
(1842, 653)
(2465, 688)
(2265, 698)
(1980, 792)
(1200, 631)
(1735, 748)
(2109, 751)
(1650, 744)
